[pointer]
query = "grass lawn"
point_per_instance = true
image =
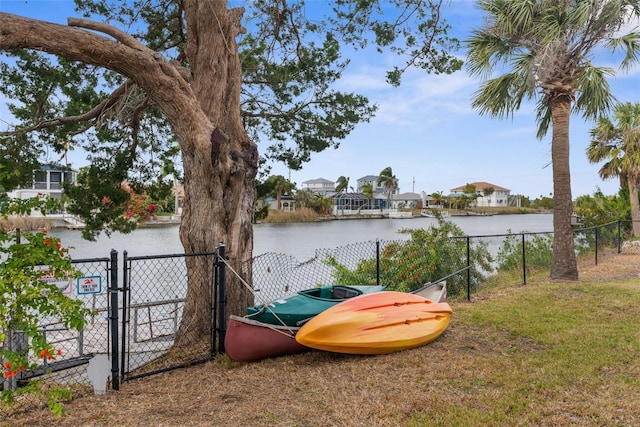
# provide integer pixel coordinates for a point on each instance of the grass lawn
(544, 354)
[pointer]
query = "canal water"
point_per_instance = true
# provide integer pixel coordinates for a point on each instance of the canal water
(300, 239)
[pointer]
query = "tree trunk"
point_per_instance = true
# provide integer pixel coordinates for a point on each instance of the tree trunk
(219, 161)
(564, 265)
(635, 204)
(220, 176)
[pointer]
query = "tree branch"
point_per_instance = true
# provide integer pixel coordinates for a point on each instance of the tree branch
(94, 113)
(161, 80)
(120, 36)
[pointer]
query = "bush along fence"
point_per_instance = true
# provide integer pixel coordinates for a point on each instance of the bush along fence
(136, 316)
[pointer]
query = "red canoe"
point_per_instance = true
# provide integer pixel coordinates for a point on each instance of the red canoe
(247, 340)
(378, 323)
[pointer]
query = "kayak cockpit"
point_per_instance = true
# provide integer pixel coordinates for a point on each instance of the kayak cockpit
(332, 292)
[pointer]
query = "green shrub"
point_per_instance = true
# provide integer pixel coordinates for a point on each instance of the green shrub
(428, 256)
(28, 263)
(538, 252)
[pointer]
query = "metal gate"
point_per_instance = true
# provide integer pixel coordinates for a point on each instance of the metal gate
(152, 297)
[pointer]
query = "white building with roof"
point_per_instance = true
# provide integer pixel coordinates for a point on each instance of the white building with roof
(320, 186)
(377, 187)
(48, 180)
(487, 194)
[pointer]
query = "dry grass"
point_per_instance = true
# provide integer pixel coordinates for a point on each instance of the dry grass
(299, 215)
(13, 222)
(483, 371)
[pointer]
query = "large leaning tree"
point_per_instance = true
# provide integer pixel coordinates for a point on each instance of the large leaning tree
(543, 50)
(199, 84)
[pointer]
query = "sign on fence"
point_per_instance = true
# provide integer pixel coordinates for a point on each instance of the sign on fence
(65, 285)
(89, 285)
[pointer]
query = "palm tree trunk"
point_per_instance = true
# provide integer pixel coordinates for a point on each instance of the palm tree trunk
(564, 265)
(635, 205)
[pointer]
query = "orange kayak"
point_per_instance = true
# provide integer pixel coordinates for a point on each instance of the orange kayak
(377, 323)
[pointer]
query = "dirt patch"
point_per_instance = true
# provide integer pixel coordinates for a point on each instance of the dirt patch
(611, 266)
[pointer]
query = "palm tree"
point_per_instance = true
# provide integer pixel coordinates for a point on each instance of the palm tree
(342, 184)
(487, 192)
(388, 180)
(620, 144)
(437, 198)
(367, 192)
(546, 46)
(470, 194)
(281, 186)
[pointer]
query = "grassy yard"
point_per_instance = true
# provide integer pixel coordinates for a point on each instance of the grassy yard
(544, 354)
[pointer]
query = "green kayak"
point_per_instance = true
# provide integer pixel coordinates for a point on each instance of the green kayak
(296, 309)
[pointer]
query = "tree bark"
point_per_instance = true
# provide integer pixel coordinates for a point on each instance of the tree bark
(635, 204)
(219, 160)
(564, 266)
(219, 180)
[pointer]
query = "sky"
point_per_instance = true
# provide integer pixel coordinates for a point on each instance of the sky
(426, 130)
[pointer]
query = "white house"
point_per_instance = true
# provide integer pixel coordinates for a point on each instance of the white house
(375, 185)
(320, 186)
(406, 201)
(48, 180)
(487, 194)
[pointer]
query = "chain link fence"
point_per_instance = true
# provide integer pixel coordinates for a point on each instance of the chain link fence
(76, 348)
(154, 289)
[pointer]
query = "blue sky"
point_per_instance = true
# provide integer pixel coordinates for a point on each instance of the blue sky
(425, 130)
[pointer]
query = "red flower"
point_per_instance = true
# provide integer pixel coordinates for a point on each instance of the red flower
(47, 241)
(43, 353)
(58, 245)
(59, 352)
(7, 365)
(44, 230)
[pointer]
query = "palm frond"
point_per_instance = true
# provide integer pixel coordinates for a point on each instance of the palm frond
(501, 97)
(543, 117)
(630, 43)
(487, 50)
(594, 94)
(618, 143)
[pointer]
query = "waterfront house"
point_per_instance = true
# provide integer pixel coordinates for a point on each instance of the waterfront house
(378, 188)
(487, 194)
(48, 180)
(320, 186)
(407, 201)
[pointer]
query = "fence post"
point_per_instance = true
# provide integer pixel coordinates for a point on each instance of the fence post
(620, 235)
(377, 262)
(222, 297)
(596, 231)
(126, 312)
(468, 268)
(15, 341)
(524, 260)
(113, 320)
